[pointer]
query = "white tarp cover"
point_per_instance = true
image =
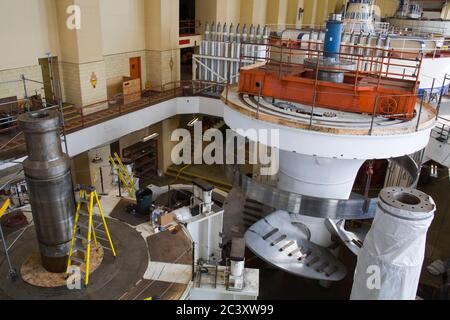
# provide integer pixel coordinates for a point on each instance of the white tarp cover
(390, 263)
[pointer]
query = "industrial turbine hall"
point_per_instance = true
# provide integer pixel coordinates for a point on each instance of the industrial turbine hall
(224, 150)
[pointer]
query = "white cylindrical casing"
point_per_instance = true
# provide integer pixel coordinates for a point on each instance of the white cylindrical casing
(198, 192)
(317, 177)
(207, 197)
(237, 268)
(390, 263)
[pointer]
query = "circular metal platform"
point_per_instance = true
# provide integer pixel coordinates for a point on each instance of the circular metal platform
(323, 117)
(328, 133)
(110, 281)
(297, 115)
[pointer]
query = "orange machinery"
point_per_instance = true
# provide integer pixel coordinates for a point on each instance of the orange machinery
(376, 85)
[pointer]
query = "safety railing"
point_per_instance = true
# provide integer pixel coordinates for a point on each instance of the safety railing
(430, 46)
(379, 102)
(415, 31)
(386, 78)
(157, 94)
(442, 131)
(107, 109)
(103, 110)
(370, 60)
(8, 121)
(382, 27)
(376, 65)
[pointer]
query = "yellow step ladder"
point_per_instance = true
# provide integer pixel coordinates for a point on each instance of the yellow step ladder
(88, 196)
(123, 174)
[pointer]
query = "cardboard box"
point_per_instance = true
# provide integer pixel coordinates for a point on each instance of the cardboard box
(130, 98)
(166, 219)
(131, 86)
(131, 91)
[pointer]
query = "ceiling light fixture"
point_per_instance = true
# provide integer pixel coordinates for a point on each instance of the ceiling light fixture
(192, 122)
(97, 159)
(150, 137)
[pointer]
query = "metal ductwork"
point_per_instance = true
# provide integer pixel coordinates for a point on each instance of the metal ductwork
(48, 176)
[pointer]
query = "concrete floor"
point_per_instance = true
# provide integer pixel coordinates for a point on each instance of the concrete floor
(110, 281)
(438, 243)
(276, 284)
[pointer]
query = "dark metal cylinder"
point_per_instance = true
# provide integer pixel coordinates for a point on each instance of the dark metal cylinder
(47, 172)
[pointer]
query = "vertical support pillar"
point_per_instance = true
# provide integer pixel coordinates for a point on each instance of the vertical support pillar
(162, 42)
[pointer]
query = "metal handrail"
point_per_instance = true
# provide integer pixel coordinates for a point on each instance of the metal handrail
(167, 90)
(172, 90)
(443, 129)
(291, 49)
(13, 119)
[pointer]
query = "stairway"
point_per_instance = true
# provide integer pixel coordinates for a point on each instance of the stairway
(438, 148)
(71, 113)
(252, 213)
(185, 175)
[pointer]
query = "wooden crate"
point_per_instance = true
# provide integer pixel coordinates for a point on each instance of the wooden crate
(131, 86)
(166, 219)
(131, 91)
(130, 98)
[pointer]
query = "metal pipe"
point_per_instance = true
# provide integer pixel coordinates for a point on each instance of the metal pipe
(375, 108)
(438, 108)
(25, 96)
(420, 112)
(48, 177)
(12, 270)
(431, 91)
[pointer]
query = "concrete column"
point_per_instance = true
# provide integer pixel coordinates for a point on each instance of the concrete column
(81, 173)
(104, 153)
(322, 8)
(294, 19)
(309, 17)
(162, 42)
(217, 10)
(205, 11)
(339, 5)
(317, 12)
(277, 14)
(253, 12)
(82, 53)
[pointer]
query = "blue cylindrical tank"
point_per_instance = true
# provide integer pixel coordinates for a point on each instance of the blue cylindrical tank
(333, 38)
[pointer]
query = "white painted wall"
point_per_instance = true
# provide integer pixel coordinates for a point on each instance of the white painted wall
(123, 26)
(28, 29)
